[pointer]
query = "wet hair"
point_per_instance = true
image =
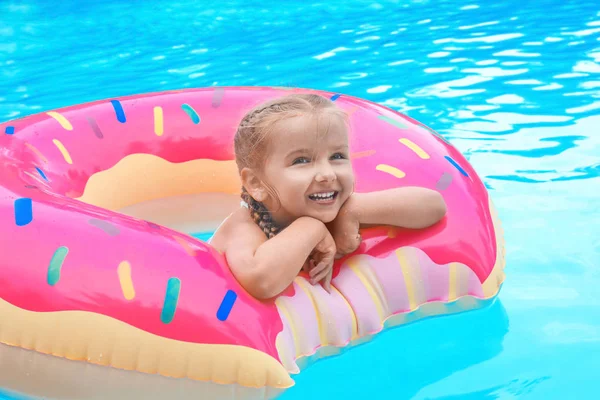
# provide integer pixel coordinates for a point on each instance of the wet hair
(251, 142)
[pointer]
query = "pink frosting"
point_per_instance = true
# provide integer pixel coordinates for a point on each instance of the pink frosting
(101, 137)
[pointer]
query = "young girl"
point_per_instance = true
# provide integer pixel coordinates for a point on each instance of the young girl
(298, 206)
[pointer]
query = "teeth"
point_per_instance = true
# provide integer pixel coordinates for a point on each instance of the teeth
(327, 195)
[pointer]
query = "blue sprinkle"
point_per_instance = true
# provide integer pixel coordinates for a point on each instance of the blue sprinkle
(226, 305)
(9, 130)
(42, 174)
(171, 300)
(23, 211)
(119, 111)
(335, 97)
(458, 167)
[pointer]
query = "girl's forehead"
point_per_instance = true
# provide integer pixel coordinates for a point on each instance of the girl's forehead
(309, 130)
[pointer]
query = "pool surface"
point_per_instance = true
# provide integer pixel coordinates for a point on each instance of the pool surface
(514, 85)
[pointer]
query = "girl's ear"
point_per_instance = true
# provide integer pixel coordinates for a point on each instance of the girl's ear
(253, 184)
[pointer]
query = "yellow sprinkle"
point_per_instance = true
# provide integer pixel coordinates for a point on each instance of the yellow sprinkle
(452, 282)
(61, 120)
(391, 170)
(158, 121)
(124, 272)
(36, 151)
(63, 151)
(414, 147)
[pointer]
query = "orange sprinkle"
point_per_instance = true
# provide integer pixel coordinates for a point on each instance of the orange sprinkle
(391, 233)
(36, 151)
(362, 154)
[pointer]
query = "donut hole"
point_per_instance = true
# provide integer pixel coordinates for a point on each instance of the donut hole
(193, 197)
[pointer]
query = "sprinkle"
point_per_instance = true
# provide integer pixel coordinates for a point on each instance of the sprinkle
(106, 226)
(119, 111)
(9, 130)
(217, 97)
(56, 264)
(159, 128)
(61, 120)
(458, 167)
(226, 305)
(183, 243)
(35, 177)
(414, 147)
(335, 97)
(394, 122)
(92, 122)
(31, 187)
(362, 154)
(434, 133)
(390, 170)
(444, 181)
(171, 299)
(391, 233)
(36, 151)
(42, 174)
(23, 211)
(191, 112)
(124, 272)
(63, 151)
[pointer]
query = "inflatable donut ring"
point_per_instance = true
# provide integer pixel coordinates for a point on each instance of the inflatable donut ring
(98, 304)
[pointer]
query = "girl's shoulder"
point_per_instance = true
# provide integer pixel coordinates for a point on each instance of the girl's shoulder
(239, 225)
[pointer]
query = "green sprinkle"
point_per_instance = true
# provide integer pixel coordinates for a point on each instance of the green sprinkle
(171, 299)
(394, 122)
(56, 264)
(191, 112)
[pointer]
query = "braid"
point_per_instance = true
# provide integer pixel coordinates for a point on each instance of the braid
(255, 114)
(260, 214)
(250, 142)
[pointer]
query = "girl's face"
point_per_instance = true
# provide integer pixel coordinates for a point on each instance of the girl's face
(308, 167)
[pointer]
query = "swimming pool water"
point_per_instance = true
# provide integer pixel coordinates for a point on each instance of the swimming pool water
(515, 85)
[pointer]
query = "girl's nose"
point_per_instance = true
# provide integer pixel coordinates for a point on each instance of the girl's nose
(325, 173)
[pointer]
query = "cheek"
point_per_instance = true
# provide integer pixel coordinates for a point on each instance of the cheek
(347, 178)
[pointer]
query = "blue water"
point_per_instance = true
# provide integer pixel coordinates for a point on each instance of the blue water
(515, 85)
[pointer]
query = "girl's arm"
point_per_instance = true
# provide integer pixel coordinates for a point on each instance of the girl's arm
(265, 268)
(406, 207)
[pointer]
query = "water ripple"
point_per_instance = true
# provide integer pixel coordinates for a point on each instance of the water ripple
(513, 84)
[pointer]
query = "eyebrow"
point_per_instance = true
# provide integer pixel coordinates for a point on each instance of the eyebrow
(297, 151)
(304, 150)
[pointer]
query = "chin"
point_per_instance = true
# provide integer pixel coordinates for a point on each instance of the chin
(326, 217)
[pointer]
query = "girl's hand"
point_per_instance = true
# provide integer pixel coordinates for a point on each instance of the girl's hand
(321, 262)
(345, 229)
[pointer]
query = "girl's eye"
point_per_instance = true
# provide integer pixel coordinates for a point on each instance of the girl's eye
(339, 156)
(300, 160)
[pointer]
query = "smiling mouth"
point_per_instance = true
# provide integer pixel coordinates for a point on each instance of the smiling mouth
(323, 197)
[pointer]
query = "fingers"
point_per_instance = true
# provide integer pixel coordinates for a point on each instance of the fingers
(318, 277)
(308, 265)
(327, 281)
(317, 271)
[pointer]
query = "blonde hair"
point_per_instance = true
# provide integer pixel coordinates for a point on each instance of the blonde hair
(251, 140)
